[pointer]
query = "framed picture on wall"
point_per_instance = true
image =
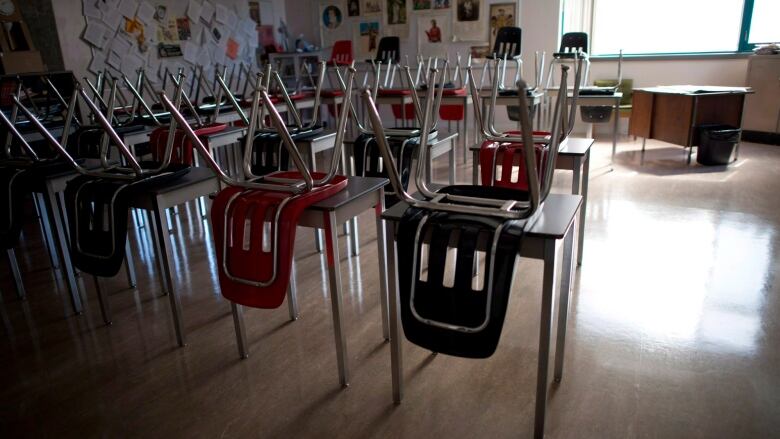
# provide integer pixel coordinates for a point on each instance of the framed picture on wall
(353, 8)
(501, 15)
(371, 7)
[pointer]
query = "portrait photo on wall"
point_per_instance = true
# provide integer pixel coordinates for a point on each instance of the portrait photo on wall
(433, 34)
(396, 12)
(371, 7)
(501, 15)
(441, 4)
(353, 8)
(468, 10)
(331, 17)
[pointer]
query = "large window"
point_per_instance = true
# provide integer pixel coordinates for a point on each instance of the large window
(644, 27)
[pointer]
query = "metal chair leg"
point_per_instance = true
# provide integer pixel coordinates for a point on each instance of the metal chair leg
(105, 308)
(17, 274)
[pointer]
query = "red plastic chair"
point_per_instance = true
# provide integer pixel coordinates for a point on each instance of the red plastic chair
(182, 146)
(341, 54)
(510, 157)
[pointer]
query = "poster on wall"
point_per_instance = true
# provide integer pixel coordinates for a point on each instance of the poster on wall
(421, 5)
(441, 4)
(433, 33)
(254, 12)
(470, 23)
(501, 15)
(371, 7)
(367, 39)
(396, 18)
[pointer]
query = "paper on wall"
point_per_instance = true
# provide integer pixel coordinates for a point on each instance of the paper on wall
(128, 7)
(121, 46)
(193, 10)
(98, 63)
(232, 20)
(145, 13)
(470, 24)
(114, 60)
(132, 63)
(190, 52)
(94, 33)
(207, 11)
(112, 19)
(222, 13)
(107, 5)
(91, 10)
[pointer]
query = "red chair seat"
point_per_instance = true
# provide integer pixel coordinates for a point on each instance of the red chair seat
(394, 92)
(182, 145)
(510, 157)
(301, 95)
(454, 91)
(331, 93)
(246, 257)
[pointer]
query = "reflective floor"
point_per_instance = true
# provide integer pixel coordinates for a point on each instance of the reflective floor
(674, 331)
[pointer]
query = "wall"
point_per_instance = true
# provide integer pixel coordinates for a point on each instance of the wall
(39, 17)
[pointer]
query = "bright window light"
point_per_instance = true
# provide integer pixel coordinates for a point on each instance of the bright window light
(765, 25)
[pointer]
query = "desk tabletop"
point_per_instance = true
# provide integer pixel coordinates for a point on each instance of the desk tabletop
(557, 215)
(696, 90)
(572, 146)
(356, 188)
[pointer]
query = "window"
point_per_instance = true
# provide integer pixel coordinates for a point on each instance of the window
(644, 27)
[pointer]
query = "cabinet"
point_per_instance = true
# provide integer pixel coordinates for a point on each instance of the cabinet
(762, 109)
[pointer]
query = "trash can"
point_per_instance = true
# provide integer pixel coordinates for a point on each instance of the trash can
(716, 144)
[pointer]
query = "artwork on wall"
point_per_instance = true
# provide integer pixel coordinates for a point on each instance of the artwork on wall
(353, 8)
(183, 26)
(332, 27)
(478, 52)
(254, 12)
(433, 34)
(371, 7)
(420, 5)
(441, 4)
(331, 17)
(367, 39)
(469, 23)
(501, 15)
(396, 20)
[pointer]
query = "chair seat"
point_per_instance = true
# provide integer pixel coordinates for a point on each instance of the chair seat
(455, 91)
(331, 93)
(394, 92)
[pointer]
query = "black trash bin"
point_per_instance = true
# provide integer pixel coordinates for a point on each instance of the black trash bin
(716, 144)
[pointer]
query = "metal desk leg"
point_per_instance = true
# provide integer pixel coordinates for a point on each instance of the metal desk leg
(615, 127)
(581, 230)
(16, 273)
(475, 168)
(164, 240)
(238, 322)
(292, 295)
(567, 282)
(129, 266)
(332, 244)
(105, 307)
(46, 227)
(544, 337)
(465, 131)
(55, 211)
(396, 353)
(154, 234)
(381, 244)
(313, 167)
(451, 158)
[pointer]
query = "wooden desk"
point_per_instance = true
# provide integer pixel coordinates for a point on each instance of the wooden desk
(672, 114)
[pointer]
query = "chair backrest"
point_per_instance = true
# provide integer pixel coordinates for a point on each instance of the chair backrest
(626, 87)
(508, 42)
(573, 41)
(389, 50)
(341, 54)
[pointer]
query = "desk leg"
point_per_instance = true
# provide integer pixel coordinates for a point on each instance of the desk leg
(615, 128)
(451, 157)
(475, 168)
(157, 251)
(332, 244)
(544, 337)
(164, 240)
(317, 232)
(381, 241)
(55, 211)
(581, 230)
(20, 292)
(105, 307)
(129, 266)
(292, 295)
(465, 131)
(396, 353)
(238, 322)
(46, 228)
(563, 300)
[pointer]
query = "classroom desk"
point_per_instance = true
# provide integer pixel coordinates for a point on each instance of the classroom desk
(361, 194)
(534, 100)
(612, 100)
(673, 114)
(573, 155)
(556, 223)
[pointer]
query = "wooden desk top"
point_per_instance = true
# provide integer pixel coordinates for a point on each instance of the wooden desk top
(695, 90)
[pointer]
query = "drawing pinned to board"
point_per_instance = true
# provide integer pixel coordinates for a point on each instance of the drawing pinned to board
(433, 31)
(331, 17)
(368, 39)
(501, 15)
(232, 49)
(420, 5)
(469, 23)
(183, 26)
(371, 7)
(136, 29)
(160, 13)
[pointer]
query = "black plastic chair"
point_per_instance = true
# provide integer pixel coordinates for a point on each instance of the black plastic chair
(508, 43)
(571, 43)
(389, 50)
